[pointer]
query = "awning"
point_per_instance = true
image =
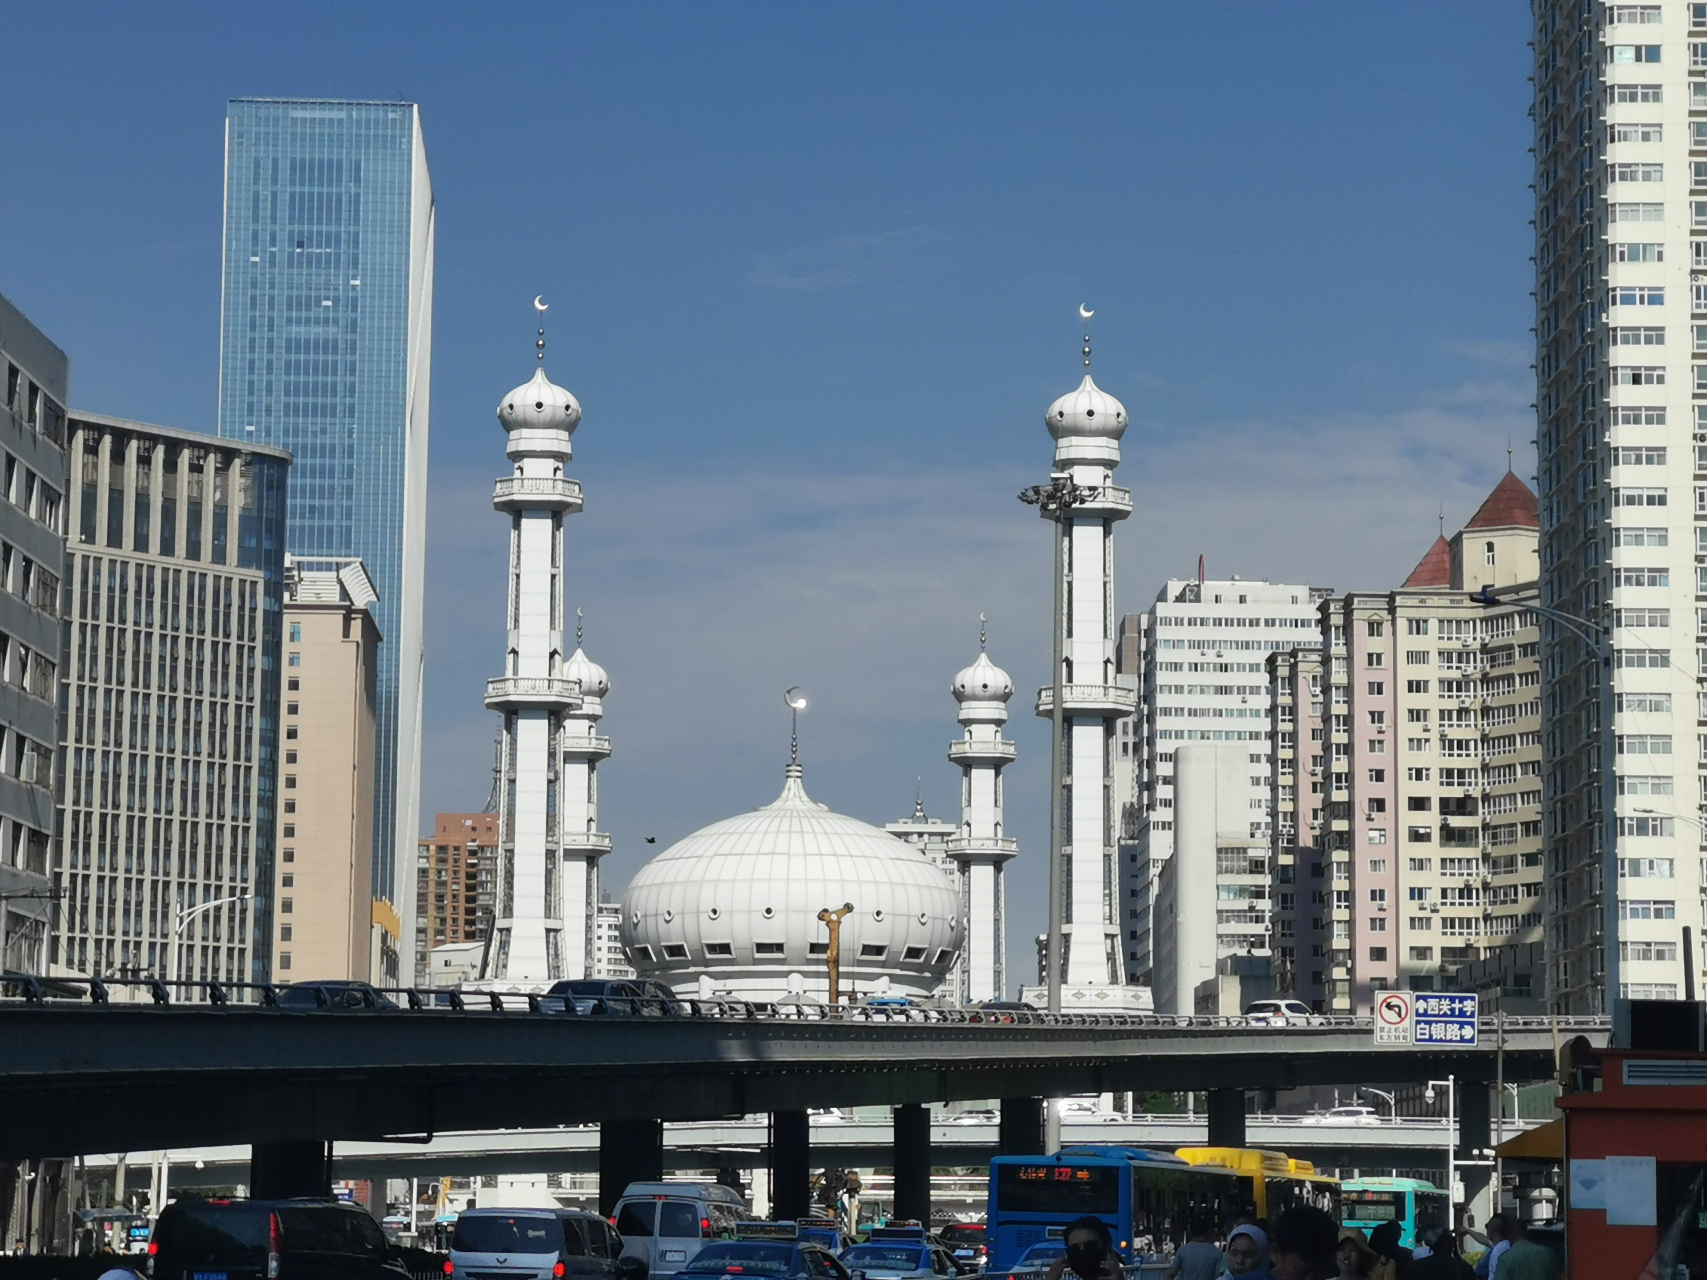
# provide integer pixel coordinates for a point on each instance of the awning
(1547, 1142)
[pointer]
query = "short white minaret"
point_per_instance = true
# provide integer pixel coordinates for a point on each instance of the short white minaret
(536, 695)
(980, 849)
(1087, 424)
(578, 802)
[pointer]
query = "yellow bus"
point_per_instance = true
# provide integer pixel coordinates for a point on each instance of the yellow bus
(1277, 1181)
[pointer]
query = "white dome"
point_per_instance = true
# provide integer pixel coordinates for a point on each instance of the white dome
(1087, 410)
(738, 902)
(983, 681)
(595, 683)
(539, 404)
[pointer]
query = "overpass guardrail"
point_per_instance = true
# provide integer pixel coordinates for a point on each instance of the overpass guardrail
(37, 990)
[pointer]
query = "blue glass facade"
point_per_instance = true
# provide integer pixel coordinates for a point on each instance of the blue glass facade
(325, 342)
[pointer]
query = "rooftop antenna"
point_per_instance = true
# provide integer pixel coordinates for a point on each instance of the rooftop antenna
(1085, 314)
(983, 631)
(542, 306)
(497, 773)
(1200, 569)
(796, 704)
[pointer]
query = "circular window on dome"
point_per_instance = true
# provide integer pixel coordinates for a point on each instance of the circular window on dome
(634, 917)
(924, 917)
(768, 912)
(877, 914)
(1090, 413)
(669, 915)
(712, 913)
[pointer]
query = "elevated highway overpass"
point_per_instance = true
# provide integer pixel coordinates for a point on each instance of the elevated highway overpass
(83, 1078)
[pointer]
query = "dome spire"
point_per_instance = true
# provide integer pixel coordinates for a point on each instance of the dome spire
(1085, 314)
(542, 306)
(796, 704)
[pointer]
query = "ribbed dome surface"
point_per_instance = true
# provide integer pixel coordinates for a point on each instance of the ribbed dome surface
(539, 404)
(983, 681)
(738, 901)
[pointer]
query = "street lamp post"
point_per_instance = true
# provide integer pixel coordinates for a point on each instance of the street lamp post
(1392, 1103)
(1449, 1084)
(188, 914)
(1055, 501)
(1599, 638)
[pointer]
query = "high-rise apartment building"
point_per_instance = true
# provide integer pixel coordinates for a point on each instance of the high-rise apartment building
(32, 549)
(1200, 652)
(173, 617)
(1407, 776)
(609, 959)
(326, 350)
(457, 878)
(324, 919)
(1620, 113)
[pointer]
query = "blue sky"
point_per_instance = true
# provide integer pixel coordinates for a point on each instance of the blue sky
(814, 272)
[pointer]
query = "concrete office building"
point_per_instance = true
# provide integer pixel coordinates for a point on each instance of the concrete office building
(325, 919)
(32, 549)
(1301, 903)
(326, 339)
(609, 959)
(1202, 649)
(1621, 237)
(456, 882)
(169, 804)
(1212, 894)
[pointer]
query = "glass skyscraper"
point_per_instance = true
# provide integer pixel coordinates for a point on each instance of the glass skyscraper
(325, 350)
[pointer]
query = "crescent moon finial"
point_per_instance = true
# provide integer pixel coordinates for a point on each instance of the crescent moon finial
(1085, 313)
(542, 306)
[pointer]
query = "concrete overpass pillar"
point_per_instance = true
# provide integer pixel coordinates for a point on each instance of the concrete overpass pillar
(791, 1165)
(1475, 1136)
(629, 1151)
(913, 1162)
(281, 1169)
(1226, 1118)
(1021, 1131)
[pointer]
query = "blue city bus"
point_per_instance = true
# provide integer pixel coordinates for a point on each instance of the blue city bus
(1365, 1203)
(1148, 1199)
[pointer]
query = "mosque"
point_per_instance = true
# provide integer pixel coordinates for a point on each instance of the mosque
(789, 901)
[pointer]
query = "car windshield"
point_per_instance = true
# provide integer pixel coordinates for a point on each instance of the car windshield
(213, 1232)
(306, 998)
(889, 1257)
(753, 1258)
(495, 1234)
(677, 1218)
(346, 1232)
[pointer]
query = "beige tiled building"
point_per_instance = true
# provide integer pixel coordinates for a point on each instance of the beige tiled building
(325, 920)
(1416, 801)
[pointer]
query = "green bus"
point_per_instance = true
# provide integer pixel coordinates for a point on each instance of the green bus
(1365, 1203)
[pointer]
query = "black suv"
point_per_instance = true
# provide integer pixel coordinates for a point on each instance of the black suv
(335, 995)
(305, 1239)
(633, 996)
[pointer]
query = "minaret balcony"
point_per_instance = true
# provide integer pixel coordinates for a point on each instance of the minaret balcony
(960, 751)
(520, 693)
(592, 747)
(1088, 700)
(994, 848)
(538, 493)
(596, 843)
(1108, 501)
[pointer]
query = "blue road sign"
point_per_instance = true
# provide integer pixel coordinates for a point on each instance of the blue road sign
(1446, 1018)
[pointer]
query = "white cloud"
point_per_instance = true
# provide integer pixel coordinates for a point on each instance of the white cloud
(709, 591)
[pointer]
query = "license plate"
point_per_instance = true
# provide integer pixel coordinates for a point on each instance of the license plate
(670, 1255)
(208, 1275)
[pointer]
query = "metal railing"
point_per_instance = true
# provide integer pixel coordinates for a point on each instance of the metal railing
(26, 988)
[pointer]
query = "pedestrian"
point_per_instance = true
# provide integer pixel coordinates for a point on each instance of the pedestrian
(1355, 1258)
(1524, 1259)
(1302, 1245)
(1495, 1242)
(1090, 1252)
(1247, 1253)
(1437, 1258)
(1394, 1259)
(1197, 1258)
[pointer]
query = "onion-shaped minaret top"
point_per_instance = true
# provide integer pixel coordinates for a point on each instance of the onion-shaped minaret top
(1087, 410)
(983, 681)
(595, 683)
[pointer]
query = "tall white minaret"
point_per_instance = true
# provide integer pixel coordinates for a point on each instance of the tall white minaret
(535, 695)
(578, 803)
(1087, 424)
(980, 850)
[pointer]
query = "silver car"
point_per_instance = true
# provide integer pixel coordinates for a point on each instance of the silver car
(537, 1244)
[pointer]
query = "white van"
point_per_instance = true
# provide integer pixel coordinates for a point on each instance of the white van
(665, 1223)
